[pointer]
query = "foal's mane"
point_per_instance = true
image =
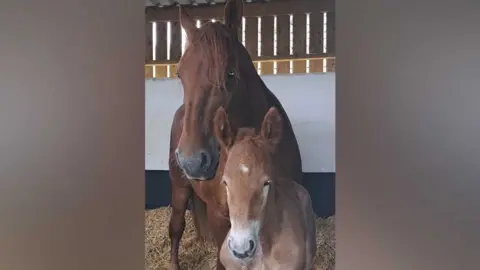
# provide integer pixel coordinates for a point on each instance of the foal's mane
(214, 42)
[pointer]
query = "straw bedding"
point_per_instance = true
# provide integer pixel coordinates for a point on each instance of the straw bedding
(196, 256)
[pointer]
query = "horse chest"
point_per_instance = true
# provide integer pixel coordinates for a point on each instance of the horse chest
(212, 193)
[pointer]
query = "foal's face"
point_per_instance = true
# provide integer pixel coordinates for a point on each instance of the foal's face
(248, 178)
(208, 71)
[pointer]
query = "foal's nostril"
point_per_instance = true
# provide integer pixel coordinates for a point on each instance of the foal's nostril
(252, 245)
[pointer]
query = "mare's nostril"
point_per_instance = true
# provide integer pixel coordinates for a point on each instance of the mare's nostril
(204, 159)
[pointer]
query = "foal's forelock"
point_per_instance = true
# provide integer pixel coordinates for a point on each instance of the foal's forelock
(217, 49)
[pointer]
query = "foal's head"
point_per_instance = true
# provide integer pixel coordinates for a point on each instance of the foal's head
(212, 71)
(248, 176)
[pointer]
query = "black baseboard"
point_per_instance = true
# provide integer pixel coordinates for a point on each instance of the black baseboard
(320, 185)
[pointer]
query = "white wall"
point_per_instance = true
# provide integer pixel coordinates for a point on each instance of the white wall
(309, 100)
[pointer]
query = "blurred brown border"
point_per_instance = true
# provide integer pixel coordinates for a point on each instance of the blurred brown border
(72, 135)
(408, 151)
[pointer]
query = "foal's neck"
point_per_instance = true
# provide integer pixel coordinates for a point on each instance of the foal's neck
(273, 214)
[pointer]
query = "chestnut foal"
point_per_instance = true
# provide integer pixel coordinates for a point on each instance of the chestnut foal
(272, 220)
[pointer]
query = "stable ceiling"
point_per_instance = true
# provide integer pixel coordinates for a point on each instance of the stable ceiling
(167, 3)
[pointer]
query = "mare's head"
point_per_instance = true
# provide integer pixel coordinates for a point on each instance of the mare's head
(212, 70)
(248, 177)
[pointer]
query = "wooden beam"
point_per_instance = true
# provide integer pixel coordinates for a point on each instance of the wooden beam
(278, 7)
(277, 58)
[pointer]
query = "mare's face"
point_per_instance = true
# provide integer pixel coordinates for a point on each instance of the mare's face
(209, 75)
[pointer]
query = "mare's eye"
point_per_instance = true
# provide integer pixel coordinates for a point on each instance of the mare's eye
(224, 183)
(178, 74)
(231, 74)
(267, 183)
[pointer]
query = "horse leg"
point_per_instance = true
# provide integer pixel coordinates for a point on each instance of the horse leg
(180, 196)
(220, 225)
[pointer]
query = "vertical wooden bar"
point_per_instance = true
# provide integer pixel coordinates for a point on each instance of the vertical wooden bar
(331, 40)
(283, 43)
(175, 41)
(148, 42)
(161, 46)
(331, 33)
(316, 41)
(299, 42)
(316, 33)
(267, 43)
(251, 36)
(299, 35)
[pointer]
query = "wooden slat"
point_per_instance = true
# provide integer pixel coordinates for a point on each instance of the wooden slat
(249, 10)
(331, 65)
(160, 72)
(299, 42)
(283, 35)
(331, 33)
(316, 33)
(299, 35)
(283, 43)
(251, 36)
(331, 40)
(316, 66)
(161, 46)
(173, 71)
(175, 41)
(148, 42)
(267, 43)
(148, 72)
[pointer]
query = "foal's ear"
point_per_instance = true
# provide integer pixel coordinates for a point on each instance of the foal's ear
(233, 15)
(187, 22)
(272, 126)
(222, 129)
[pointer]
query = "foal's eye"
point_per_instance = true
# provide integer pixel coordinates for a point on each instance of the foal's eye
(178, 74)
(267, 183)
(224, 183)
(231, 74)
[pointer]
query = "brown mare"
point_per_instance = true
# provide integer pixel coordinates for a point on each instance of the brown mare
(216, 70)
(272, 220)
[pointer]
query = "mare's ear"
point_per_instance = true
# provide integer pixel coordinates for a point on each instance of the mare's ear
(233, 15)
(222, 129)
(272, 126)
(188, 23)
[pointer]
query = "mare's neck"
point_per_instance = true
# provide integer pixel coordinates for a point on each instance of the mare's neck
(255, 99)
